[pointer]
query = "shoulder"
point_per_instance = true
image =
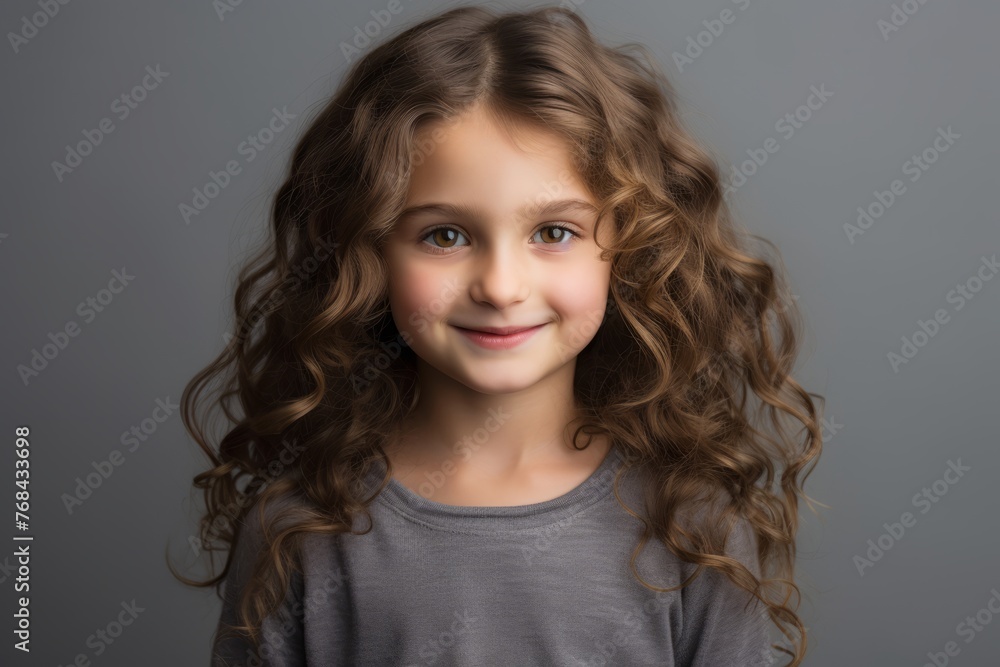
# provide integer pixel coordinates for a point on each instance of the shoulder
(256, 525)
(723, 623)
(281, 628)
(255, 532)
(737, 531)
(742, 545)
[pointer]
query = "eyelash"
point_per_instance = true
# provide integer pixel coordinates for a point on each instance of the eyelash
(443, 251)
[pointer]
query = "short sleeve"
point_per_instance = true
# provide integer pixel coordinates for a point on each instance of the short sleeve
(282, 631)
(722, 624)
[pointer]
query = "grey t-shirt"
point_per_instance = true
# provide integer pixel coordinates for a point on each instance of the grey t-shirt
(543, 584)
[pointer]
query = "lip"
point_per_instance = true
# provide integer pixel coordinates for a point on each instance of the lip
(499, 341)
(500, 331)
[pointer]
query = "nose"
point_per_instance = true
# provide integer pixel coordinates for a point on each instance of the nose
(499, 279)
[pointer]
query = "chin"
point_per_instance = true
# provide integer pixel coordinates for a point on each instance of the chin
(499, 387)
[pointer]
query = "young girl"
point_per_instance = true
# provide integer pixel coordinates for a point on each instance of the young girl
(495, 377)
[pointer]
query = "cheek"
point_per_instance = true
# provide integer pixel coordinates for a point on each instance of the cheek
(416, 295)
(581, 292)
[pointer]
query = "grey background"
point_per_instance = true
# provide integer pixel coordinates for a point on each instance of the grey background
(889, 434)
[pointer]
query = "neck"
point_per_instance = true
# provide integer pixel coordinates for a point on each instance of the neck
(495, 434)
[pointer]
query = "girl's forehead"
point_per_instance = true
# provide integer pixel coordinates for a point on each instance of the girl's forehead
(474, 164)
(466, 164)
(478, 125)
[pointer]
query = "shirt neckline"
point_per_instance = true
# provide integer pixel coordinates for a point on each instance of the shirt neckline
(506, 518)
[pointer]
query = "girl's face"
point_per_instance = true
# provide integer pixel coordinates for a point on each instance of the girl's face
(479, 245)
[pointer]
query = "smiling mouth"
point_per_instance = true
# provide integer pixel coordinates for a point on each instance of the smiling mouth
(499, 331)
(497, 341)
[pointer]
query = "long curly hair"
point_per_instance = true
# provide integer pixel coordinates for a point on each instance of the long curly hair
(696, 346)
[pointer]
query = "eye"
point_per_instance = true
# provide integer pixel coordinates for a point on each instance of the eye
(564, 234)
(447, 236)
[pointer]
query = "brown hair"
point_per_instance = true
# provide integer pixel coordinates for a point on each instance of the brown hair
(698, 341)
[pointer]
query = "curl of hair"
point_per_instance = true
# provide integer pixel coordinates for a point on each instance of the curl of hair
(698, 340)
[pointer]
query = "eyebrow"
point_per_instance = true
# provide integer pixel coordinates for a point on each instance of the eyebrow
(524, 213)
